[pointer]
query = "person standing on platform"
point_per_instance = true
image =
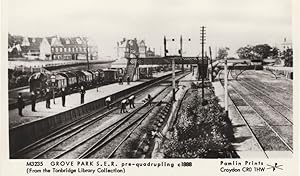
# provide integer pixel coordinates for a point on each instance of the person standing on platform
(82, 92)
(48, 97)
(128, 80)
(123, 106)
(20, 104)
(107, 102)
(177, 83)
(149, 99)
(63, 97)
(131, 101)
(33, 101)
(120, 81)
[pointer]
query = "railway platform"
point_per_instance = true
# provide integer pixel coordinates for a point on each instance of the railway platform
(72, 101)
(246, 145)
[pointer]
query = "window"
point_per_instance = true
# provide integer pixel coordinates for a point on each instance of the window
(69, 49)
(65, 49)
(56, 49)
(78, 41)
(61, 49)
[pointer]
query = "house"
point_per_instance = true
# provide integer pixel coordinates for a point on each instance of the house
(58, 48)
(73, 48)
(150, 53)
(142, 48)
(14, 51)
(45, 50)
(36, 48)
(131, 48)
(92, 49)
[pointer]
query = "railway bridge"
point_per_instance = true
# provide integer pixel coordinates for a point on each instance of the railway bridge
(134, 63)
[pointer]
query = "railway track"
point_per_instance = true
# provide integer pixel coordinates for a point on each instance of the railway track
(282, 97)
(87, 135)
(271, 133)
(276, 105)
(267, 86)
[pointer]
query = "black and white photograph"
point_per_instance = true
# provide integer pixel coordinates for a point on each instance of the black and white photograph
(149, 79)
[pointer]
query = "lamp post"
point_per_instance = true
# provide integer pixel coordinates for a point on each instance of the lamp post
(53, 79)
(226, 86)
(181, 52)
(173, 67)
(87, 54)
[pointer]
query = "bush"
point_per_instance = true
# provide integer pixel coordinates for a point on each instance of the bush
(202, 131)
(17, 78)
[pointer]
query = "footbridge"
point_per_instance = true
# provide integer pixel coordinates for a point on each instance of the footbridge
(134, 63)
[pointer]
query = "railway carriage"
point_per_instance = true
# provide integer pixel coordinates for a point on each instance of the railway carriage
(88, 78)
(72, 80)
(96, 77)
(146, 72)
(110, 76)
(101, 76)
(80, 77)
(61, 81)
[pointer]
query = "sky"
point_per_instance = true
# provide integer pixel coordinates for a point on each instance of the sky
(229, 23)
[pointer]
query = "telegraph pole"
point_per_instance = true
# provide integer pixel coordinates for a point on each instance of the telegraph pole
(211, 65)
(226, 86)
(165, 46)
(173, 68)
(118, 49)
(202, 37)
(87, 54)
(180, 52)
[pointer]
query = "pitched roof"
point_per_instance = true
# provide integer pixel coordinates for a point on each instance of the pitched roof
(68, 41)
(141, 42)
(34, 44)
(51, 39)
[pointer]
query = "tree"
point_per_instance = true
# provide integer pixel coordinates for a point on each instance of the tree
(262, 51)
(288, 57)
(222, 53)
(275, 52)
(11, 40)
(245, 52)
